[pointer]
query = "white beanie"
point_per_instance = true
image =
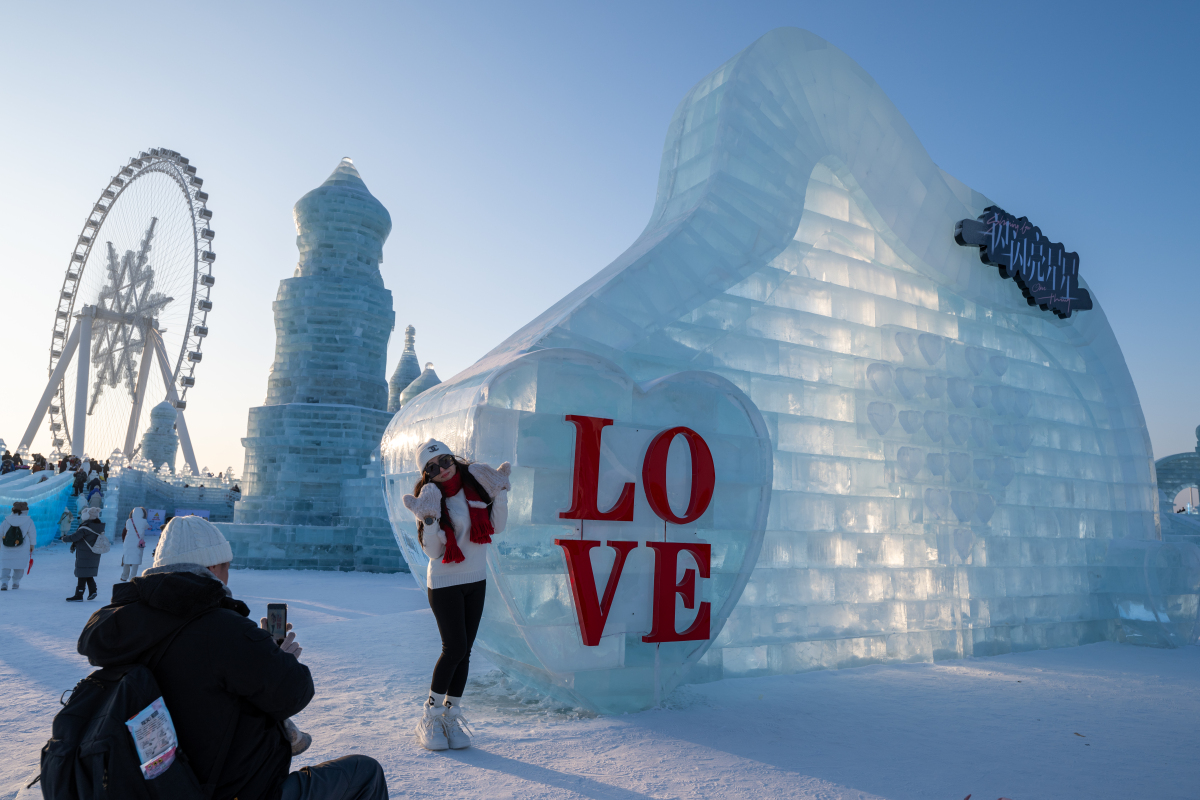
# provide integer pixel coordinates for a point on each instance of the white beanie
(89, 513)
(192, 540)
(429, 451)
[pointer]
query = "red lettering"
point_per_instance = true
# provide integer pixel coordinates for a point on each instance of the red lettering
(585, 482)
(654, 475)
(592, 616)
(666, 559)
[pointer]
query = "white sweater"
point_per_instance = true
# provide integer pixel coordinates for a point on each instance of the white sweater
(473, 567)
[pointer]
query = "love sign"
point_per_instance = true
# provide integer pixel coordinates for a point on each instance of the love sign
(593, 611)
(636, 516)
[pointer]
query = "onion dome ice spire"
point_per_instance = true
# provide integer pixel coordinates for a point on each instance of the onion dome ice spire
(427, 379)
(341, 228)
(407, 371)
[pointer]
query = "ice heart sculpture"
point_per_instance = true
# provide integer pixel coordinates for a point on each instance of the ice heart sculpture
(532, 624)
(950, 463)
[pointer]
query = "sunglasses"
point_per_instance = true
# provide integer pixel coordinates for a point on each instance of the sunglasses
(440, 463)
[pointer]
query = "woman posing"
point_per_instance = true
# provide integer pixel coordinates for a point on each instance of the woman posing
(134, 543)
(459, 506)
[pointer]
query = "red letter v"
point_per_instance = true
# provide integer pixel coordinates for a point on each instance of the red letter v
(592, 614)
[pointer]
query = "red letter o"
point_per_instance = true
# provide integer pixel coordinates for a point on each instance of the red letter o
(654, 475)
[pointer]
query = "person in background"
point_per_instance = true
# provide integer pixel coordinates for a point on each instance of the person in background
(229, 687)
(459, 506)
(64, 523)
(18, 535)
(107, 466)
(80, 482)
(134, 543)
(87, 560)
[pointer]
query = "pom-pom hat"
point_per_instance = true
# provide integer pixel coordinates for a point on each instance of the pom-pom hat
(431, 450)
(192, 540)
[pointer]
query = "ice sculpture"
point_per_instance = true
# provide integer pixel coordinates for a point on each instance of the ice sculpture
(949, 463)
(160, 441)
(46, 493)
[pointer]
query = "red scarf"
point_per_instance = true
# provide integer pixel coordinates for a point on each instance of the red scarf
(481, 519)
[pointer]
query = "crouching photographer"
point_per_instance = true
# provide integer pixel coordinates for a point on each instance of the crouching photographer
(228, 685)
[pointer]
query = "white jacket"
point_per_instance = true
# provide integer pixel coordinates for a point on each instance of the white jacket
(18, 557)
(135, 531)
(473, 567)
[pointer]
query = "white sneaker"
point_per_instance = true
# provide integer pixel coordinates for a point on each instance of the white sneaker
(431, 729)
(457, 730)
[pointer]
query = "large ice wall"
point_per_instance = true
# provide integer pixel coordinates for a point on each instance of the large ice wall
(950, 464)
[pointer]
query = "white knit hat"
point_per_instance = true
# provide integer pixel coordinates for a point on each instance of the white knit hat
(431, 450)
(192, 540)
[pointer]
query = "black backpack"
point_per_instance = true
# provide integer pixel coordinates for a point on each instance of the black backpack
(91, 754)
(13, 537)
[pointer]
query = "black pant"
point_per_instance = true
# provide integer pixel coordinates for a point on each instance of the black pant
(345, 778)
(457, 610)
(91, 585)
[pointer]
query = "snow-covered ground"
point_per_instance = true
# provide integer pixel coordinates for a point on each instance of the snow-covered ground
(1103, 721)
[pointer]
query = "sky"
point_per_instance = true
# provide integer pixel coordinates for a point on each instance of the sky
(517, 146)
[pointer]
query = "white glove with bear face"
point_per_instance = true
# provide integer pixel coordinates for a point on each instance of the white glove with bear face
(493, 481)
(428, 507)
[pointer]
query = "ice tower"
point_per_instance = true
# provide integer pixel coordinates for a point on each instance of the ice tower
(326, 403)
(327, 393)
(905, 460)
(160, 442)
(407, 370)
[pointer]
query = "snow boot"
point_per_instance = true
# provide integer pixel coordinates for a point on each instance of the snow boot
(457, 730)
(299, 740)
(92, 596)
(431, 729)
(76, 598)
(4, 587)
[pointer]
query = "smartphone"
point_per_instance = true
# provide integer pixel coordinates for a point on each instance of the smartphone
(277, 621)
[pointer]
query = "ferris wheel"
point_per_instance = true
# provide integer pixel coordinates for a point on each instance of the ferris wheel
(137, 290)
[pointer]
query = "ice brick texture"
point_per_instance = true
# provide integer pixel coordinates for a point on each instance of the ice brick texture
(532, 626)
(326, 406)
(950, 464)
(47, 495)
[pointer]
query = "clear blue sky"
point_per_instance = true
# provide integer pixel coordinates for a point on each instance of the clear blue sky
(517, 148)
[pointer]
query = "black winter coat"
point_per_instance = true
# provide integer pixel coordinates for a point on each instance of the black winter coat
(87, 563)
(222, 673)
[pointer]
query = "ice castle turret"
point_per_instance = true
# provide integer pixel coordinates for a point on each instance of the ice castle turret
(427, 379)
(407, 371)
(326, 405)
(160, 442)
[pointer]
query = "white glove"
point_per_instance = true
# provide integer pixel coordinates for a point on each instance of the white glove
(493, 481)
(289, 644)
(428, 507)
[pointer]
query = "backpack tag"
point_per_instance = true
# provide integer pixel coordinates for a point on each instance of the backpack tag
(154, 737)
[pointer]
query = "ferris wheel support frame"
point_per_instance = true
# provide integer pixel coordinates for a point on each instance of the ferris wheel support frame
(154, 349)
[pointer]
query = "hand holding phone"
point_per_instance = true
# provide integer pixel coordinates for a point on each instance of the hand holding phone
(276, 624)
(277, 621)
